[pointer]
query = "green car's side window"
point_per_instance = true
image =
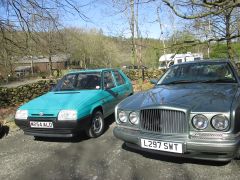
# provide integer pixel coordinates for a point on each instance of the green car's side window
(108, 81)
(68, 82)
(119, 79)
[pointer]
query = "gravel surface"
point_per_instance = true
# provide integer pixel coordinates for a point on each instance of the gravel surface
(22, 157)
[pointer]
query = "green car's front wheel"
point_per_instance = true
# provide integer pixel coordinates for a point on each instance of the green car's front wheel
(97, 125)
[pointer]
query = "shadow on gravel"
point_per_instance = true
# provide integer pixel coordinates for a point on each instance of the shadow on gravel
(4, 130)
(79, 137)
(108, 121)
(178, 160)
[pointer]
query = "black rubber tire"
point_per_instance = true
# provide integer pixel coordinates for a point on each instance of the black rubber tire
(237, 155)
(1, 127)
(97, 119)
(38, 138)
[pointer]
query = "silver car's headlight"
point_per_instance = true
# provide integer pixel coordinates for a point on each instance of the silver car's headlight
(220, 122)
(122, 116)
(134, 118)
(21, 114)
(67, 115)
(200, 122)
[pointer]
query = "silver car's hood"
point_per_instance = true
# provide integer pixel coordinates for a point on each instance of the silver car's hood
(196, 97)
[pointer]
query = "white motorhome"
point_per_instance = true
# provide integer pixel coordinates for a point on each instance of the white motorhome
(168, 60)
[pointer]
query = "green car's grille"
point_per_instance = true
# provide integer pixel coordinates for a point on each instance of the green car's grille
(42, 118)
(163, 121)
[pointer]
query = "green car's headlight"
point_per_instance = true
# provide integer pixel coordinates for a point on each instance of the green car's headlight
(220, 122)
(122, 116)
(134, 118)
(67, 115)
(21, 114)
(200, 122)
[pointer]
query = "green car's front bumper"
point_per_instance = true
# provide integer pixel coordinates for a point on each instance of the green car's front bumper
(223, 150)
(60, 128)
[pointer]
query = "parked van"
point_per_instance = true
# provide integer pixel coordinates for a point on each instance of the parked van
(168, 60)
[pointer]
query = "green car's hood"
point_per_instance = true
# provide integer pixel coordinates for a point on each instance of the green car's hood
(52, 102)
(197, 97)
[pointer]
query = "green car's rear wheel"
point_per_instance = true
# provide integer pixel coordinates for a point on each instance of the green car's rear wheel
(1, 127)
(97, 125)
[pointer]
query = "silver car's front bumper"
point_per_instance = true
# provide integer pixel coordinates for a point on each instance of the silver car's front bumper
(223, 150)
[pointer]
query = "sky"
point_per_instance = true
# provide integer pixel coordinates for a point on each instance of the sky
(102, 15)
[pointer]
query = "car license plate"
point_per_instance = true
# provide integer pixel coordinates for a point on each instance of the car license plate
(162, 146)
(37, 124)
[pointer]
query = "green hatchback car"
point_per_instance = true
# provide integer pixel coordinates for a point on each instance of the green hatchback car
(80, 101)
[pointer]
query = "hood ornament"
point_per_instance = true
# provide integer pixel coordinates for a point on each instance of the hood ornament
(41, 114)
(162, 100)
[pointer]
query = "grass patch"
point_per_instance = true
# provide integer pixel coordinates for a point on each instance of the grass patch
(140, 85)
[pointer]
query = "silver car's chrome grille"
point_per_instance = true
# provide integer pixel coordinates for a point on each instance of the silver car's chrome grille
(163, 121)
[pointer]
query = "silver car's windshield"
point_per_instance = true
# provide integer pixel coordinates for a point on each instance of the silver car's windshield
(207, 72)
(79, 81)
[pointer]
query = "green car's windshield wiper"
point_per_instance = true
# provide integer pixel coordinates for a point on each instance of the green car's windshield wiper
(223, 80)
(67, 89)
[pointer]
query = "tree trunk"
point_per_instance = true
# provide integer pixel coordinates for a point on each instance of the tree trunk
(50, 65)
(132, 24)
(161, 38)
(228, 36)
(208, 50)
(139, 40)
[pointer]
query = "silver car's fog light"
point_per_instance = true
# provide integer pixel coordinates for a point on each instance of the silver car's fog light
(134, 118)
(220, 122)
(122, 116)
(200, 122)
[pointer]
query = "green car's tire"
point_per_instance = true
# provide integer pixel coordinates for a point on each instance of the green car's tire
(97, 125)
(237, 155)
(1, 127)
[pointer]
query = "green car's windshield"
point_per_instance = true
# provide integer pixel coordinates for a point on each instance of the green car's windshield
(205, 72)
(79, 81)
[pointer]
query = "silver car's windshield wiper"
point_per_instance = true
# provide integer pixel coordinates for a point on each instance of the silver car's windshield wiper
(221, 80)
(179, 82)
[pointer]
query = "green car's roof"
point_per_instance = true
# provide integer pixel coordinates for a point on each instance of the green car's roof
(90, 70)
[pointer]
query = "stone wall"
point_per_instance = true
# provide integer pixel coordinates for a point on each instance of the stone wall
(24, 93)
(21, 94)
(148, 74)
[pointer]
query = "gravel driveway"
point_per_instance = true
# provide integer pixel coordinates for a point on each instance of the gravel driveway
(22, 157)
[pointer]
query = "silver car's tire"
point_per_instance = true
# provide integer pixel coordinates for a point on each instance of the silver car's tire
(97, 125)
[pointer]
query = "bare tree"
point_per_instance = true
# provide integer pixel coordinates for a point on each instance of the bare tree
(130, 10)
(220, 11)
(21, 16)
